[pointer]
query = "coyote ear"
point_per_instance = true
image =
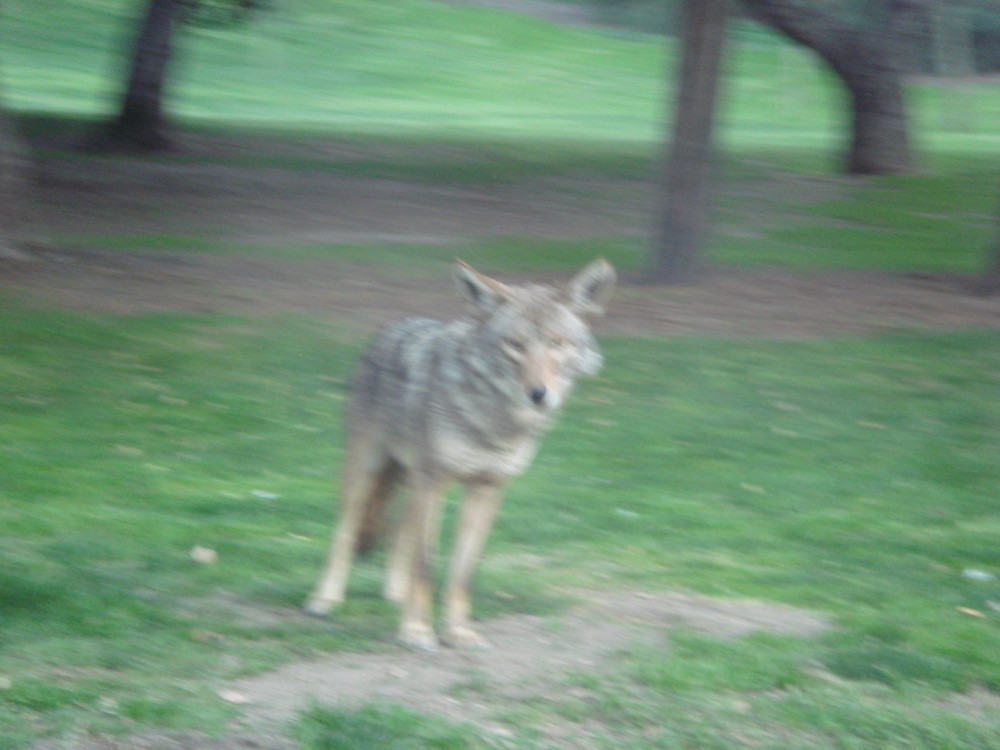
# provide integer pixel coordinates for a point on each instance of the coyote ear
(588, 292)
(485, 293)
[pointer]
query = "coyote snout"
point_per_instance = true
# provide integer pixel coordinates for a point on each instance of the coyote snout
(466, 401)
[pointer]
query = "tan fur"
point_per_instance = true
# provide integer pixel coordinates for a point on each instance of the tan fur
(432, 403)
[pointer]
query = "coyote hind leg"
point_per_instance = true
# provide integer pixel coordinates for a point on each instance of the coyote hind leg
(365, 492)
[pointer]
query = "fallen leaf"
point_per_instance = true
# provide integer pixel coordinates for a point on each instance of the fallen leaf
(232, 696)
(264, 495)
(969, 611)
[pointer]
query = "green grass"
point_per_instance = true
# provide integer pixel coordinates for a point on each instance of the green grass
(407, 66)
(389, 728)
(855, 477)
(940, 220)
(705, 711)
(416, 66)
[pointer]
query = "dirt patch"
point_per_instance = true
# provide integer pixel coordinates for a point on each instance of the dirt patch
(745, 302)
(529, 655)
(258, 192)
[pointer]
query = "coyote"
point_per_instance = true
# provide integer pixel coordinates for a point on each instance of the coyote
(434, 402)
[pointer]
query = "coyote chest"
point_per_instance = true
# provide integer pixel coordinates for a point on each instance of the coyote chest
(446, 402)
(468, 461)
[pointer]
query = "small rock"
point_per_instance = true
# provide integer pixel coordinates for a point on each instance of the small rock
(204, 555)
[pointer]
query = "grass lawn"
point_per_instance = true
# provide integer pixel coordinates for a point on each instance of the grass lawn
(855, 477)
(852, 477)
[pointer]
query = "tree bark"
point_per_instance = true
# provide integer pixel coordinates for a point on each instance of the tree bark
(140, 124)
(17, 225)
(868, 60)
(681, 227)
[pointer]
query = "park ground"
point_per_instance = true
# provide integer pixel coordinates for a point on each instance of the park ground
(770, 521)
(252, 213)
(272, 208)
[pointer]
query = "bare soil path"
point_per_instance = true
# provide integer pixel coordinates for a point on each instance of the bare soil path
(216, 189)
(771, 303)
(530, 659)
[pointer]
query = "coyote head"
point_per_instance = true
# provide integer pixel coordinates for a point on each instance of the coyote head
(535, 340)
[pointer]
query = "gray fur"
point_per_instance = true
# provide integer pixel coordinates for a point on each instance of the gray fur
(433, 402)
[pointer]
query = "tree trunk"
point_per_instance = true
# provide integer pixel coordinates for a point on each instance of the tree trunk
(16, 225)
(140, 124)
(868, 61)
(679, 234)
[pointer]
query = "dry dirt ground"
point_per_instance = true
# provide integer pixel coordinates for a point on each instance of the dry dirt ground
(86, 196)
(211, 192)
(528, 663)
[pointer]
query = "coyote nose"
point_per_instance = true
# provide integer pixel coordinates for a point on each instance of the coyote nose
(537, 394)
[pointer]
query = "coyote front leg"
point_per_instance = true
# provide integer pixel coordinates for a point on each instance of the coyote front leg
(401, 551)
(479, 509)
(416, 558)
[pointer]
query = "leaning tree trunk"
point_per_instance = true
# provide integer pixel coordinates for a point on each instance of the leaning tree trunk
(880, 140)
(868, 62)
(681, 223)
(140, 124)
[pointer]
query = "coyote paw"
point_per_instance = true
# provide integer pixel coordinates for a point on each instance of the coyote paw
(394, 592)
(464, 637)
(418, 636)
(318, 607)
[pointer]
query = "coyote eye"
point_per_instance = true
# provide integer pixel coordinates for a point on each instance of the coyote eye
(559, 342)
